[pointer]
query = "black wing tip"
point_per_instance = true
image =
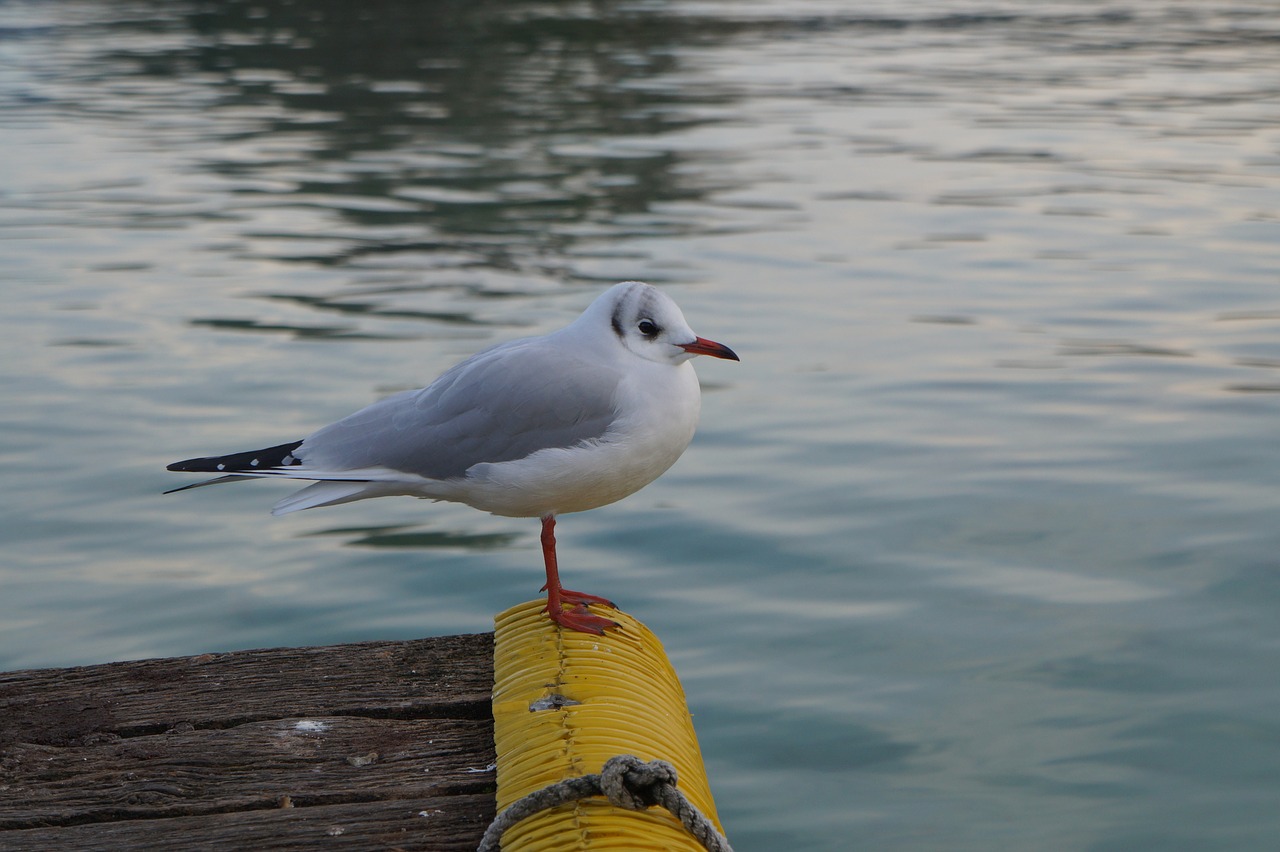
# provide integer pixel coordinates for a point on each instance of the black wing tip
(202, 483)
(252, 460)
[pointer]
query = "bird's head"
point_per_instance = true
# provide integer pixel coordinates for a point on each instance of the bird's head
(649, 324)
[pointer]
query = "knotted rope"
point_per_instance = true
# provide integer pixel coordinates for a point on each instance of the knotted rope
(627, 782)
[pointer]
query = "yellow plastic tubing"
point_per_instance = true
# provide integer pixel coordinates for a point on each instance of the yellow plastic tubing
(564, 703)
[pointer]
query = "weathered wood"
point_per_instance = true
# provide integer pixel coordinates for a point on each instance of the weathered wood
(446, 824)
(379, 745)
(258, 765)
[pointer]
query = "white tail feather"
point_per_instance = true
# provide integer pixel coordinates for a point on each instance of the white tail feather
(325, 494)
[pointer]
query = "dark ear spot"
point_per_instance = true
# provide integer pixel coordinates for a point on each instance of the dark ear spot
(616, 320)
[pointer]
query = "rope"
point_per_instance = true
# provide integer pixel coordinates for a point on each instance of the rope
(627, 782)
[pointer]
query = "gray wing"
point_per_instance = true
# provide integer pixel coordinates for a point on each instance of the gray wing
(499, 405)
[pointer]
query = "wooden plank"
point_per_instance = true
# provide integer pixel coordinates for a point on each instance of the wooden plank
(447, 824)
(441, 676)
(254, 766)
(253, 749)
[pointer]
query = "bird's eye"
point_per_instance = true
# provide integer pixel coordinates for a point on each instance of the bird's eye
(648, 328)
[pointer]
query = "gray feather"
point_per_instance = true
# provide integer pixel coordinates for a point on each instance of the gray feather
(499, 405)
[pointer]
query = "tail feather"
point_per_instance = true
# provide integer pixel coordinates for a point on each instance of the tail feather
(335, 486)
(330, 493)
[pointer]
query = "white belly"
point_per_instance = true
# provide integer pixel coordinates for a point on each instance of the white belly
(636, 450)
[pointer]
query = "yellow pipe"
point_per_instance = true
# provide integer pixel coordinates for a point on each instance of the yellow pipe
(592, 697)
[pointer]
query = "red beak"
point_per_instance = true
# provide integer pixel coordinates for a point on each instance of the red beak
(702, 346)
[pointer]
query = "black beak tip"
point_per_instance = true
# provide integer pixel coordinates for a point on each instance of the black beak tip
(702, 346)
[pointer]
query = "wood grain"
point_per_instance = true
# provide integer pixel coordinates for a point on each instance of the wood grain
(377, 745)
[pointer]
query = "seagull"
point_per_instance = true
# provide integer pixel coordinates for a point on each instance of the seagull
(531, 428)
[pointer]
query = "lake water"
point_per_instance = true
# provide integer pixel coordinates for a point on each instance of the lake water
(979, 546)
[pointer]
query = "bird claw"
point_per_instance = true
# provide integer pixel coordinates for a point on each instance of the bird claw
(582, 598)
(581, 619)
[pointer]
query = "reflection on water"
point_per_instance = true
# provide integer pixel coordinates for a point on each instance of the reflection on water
(978, 538)
(400, 535)
(461, 135)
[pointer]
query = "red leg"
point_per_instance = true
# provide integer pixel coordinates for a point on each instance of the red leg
(578, 618)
